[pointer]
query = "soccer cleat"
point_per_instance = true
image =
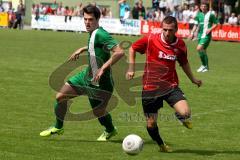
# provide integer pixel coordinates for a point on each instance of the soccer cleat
(188, 124)
(105, 135)
(201, 68)
(204, 70)
(165, 148)
(50, 131)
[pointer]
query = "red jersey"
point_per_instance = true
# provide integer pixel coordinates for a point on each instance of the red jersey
(160, 68)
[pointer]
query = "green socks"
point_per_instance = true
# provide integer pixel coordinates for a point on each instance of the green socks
(204, 58)
(106, 121)
(60, 109)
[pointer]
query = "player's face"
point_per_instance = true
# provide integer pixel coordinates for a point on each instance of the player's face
(91, 22)
(204, 8)
(169, 31)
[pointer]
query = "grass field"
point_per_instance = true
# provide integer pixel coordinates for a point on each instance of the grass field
(27, 59)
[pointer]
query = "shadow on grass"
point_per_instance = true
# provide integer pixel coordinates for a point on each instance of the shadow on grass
(94, 141)
(205, 152)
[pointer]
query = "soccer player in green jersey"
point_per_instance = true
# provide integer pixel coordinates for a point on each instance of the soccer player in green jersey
(206, 21)
(94, 80)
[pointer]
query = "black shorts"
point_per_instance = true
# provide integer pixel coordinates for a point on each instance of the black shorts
(152, 105)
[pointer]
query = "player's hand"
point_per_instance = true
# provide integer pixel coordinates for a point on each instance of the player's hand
(197, 82)
(98, 75)
(130, 74)
(190, 37)
(74, 56)
(208, 31)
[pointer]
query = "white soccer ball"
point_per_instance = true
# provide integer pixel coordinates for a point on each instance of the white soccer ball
(132, 144)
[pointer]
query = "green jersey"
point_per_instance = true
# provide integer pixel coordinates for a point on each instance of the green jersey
(100, 43)
(205, 21)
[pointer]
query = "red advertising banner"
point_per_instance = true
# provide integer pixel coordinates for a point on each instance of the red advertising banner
(226, 33)
(150, 27)
(221, 32)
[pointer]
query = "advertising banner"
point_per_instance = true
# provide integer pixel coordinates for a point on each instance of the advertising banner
(221, 32)
(131, 27)
(226, 33)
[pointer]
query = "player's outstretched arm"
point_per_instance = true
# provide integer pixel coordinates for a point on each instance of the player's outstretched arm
(191, 35)
(117, 54)
(187, 69)
(76, 54)
(131, 69)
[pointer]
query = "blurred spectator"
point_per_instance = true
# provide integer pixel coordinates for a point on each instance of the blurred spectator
(33, 8)
(21, 12)
(220, 18)
(126, 14)
(151, 15)
(168, 12)
(155, 4)
(193, 13)
(186, 14)
(238, 19)
(104, 12)
(42, 9)
(54, 7)
(36, 11)
(233, 19)
(122, 8)
(160, 15)
(141, 10)
(60, 9)
(1, 7)
(177, 13)
(228, 6)
(109, 13)
(79, 10)
(95, 4)
(9, 7)
(66, 13)
(12, 18)
(226, 17)
(163, 5)
(71, 13)
(49, 10)
(135, 14)
(18, 20)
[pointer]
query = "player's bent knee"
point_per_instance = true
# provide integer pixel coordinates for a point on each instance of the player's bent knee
(151, 124)
(61, 96)
(200, 49)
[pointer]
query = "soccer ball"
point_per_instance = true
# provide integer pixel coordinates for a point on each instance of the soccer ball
(132, 144)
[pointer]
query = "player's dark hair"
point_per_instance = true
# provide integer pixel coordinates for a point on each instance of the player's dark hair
(205, 3)
(170, 20)
(91, 9)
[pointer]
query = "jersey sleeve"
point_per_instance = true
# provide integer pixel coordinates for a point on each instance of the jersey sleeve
(196, 19)
(182, 56)
(213, 19)
(106, 40)
(141, 45)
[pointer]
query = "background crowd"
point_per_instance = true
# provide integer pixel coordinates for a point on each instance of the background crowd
(224, 10)
(15, 16)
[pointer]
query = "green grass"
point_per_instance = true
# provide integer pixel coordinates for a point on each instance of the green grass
(27, 59)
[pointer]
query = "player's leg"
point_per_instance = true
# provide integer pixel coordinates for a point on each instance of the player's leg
(177, 100)
(202, 51)
(99, 98)
(150, 108)
(183, 113)
(73, 87)
(203, 57)
(67, 92)
(60, 109)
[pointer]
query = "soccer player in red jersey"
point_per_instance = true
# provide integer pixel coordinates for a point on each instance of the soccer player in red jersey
(160, 80)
